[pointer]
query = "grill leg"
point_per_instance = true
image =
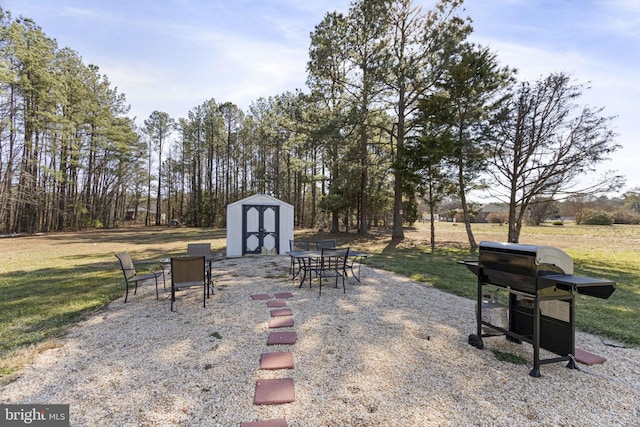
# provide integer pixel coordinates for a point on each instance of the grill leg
(476, 341)
(479, 306)
(535, 372)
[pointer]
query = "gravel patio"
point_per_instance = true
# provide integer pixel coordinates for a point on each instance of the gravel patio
(389, 352)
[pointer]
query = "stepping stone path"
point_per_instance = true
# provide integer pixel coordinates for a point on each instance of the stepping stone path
(277, 303)
(281, 322)
(275, 391)
(261, 296)
(281, 360)
(280, 422)
(281, 312)
(587, 358)
(280, 390)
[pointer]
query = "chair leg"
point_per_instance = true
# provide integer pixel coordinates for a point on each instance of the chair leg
(126, 293)
(209, 283)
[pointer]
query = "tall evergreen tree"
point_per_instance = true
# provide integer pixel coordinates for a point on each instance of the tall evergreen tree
(158, 127)
(421, 46)
(475, 87)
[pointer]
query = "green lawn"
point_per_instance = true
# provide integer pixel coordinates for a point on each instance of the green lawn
(48, 282)
(608, 252)
(617, 317)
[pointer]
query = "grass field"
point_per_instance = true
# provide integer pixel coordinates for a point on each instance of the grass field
(48, 282)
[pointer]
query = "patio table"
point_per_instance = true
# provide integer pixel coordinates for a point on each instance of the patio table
(307, 258)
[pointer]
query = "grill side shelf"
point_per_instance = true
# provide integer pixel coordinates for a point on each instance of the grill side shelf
(598, 288)
(471, 264)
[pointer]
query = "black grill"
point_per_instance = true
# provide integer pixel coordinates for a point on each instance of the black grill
(541, 287)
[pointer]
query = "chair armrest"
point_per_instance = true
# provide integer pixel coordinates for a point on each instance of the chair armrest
(150, 264)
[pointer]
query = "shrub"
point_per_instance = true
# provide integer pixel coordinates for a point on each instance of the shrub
(497, 217)
(409, 212)
(597, 218)
(626, 217)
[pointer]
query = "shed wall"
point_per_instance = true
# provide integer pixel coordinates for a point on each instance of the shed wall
(234, 223)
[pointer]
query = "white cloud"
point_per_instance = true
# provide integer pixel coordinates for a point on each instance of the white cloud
(80, 13)
(228, 68)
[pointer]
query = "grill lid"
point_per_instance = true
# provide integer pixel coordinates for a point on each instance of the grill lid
(544, 255)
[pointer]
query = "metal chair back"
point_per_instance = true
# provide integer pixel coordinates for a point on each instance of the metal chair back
(326, 244)
(126, 263)
(187, 272)
(333, 264)
(203, 249)
(132, 277)
(299, 245)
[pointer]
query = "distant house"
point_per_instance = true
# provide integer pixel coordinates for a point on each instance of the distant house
(426, 217)
(494, 210)
(138, 216)
(134, 214)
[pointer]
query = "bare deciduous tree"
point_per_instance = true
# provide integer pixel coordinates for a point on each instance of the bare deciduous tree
(546, 142)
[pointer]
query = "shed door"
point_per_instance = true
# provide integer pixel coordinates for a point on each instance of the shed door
(260, 229)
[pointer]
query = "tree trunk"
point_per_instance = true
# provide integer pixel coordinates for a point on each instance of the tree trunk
(465, 208)
(432, 210)
(159, 196)
(514, 228)
(363, 226)
(398, 230)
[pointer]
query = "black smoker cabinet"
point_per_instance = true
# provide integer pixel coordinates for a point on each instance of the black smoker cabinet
(541, 288)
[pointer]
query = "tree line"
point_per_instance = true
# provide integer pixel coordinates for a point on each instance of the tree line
(399, 105)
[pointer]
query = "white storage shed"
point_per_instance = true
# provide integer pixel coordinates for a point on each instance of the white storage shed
(259, 224)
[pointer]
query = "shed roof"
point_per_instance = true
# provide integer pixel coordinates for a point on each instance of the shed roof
(260, 198)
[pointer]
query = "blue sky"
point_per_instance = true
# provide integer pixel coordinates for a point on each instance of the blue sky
(172, 55)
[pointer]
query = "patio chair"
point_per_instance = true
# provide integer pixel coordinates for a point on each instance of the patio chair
(329, 244)
(332, 264)
(131, 276)
(186, 272)
(295, 246)
(325, 244)
(203, 249)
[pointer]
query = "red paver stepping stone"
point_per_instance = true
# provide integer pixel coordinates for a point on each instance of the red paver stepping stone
(276, 303)
(280, 422)
(276, 338)
(587, 358)
(284, 295)
(274, 392)
(261, 296)
(278, 360)
(281, 312)
(281, 322)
